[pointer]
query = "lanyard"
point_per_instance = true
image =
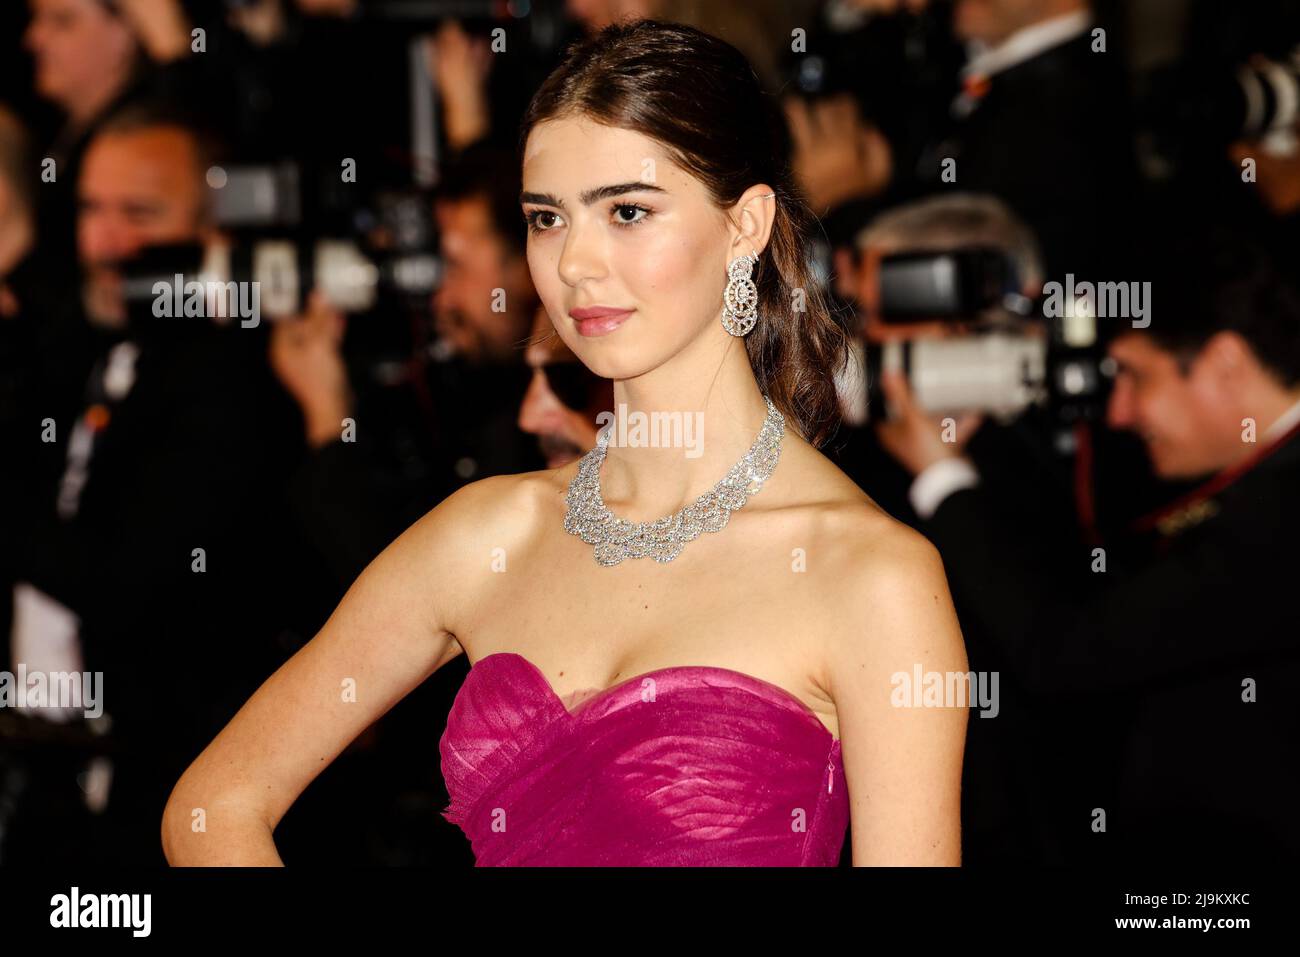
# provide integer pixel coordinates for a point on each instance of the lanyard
(1196, 506)
(110, 382)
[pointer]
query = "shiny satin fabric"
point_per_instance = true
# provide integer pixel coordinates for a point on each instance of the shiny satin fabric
(686, 766)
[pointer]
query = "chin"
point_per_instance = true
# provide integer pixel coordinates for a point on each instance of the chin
(1175, 470)
(968, 24)
(1161, 465)
(103, 309)
(626, 359)
(607, 366)
(45, 85)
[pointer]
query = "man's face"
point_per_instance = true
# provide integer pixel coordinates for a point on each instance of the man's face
(992, 21)
(1188, 421)
(136, 189)
(80, 48)
(477, 264)
(564, 423)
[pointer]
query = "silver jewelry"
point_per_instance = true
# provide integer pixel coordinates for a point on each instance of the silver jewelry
(616, 538)
(740, 301)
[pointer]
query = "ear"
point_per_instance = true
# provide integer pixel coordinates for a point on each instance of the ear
(751, 221)
(1227, 356)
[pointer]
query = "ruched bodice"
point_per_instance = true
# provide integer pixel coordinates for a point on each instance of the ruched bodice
(686, 766)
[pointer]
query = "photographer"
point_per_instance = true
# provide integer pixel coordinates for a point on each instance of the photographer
(149, 546)
(994, 262)
(1174, 630)
(930, 232)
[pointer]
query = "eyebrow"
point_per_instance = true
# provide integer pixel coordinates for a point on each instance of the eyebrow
(591, 195)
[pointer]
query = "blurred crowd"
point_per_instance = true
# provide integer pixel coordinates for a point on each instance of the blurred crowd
(182, 504)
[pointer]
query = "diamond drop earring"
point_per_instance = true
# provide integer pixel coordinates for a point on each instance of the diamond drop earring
(740, 302)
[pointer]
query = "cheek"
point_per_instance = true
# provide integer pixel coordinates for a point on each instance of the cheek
(85, 235)
(1210, 412)
(98, 53)
(1162, 408)
(546, 280)
(96, 236)
(178, 226)
(1179, 412)
(670, 276)
(81, 56)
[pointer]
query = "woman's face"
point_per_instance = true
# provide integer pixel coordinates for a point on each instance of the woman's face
(614, 223)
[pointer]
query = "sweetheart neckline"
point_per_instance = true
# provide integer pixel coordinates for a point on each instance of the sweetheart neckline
(605, 692)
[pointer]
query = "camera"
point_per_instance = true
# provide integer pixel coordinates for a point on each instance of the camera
(1001, 354)
(1187, 116)
(373, 255)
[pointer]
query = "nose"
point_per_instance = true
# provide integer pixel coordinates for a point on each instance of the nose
(103, 240)
(583, 256)
(539, 407)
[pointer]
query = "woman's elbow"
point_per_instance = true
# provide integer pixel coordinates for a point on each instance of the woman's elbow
(204, 827)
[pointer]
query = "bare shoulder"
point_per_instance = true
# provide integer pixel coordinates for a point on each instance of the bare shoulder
(879, 561)
(882, 585)
(492, 505)
(846, 523)
(894, 606)
(459, 540)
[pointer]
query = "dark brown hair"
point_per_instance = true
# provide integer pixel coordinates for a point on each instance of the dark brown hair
(701, 100)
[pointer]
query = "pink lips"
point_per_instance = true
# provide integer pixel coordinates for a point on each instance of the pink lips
(598, 320)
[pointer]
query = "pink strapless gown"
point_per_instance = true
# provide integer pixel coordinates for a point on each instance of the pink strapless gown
(685, 766)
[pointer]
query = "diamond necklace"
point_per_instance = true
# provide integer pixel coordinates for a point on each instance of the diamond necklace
(616, 538)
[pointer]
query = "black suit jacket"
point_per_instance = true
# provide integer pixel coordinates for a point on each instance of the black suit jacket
(1157, 655)
(182, 464)
(1051, 139)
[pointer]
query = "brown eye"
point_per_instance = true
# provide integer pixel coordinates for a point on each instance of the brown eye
(533, 218)
(634, 208)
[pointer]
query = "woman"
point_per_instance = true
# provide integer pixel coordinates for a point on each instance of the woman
(718, 688)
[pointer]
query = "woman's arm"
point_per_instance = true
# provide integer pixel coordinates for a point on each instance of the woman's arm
(902, 760)
(390, 632)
